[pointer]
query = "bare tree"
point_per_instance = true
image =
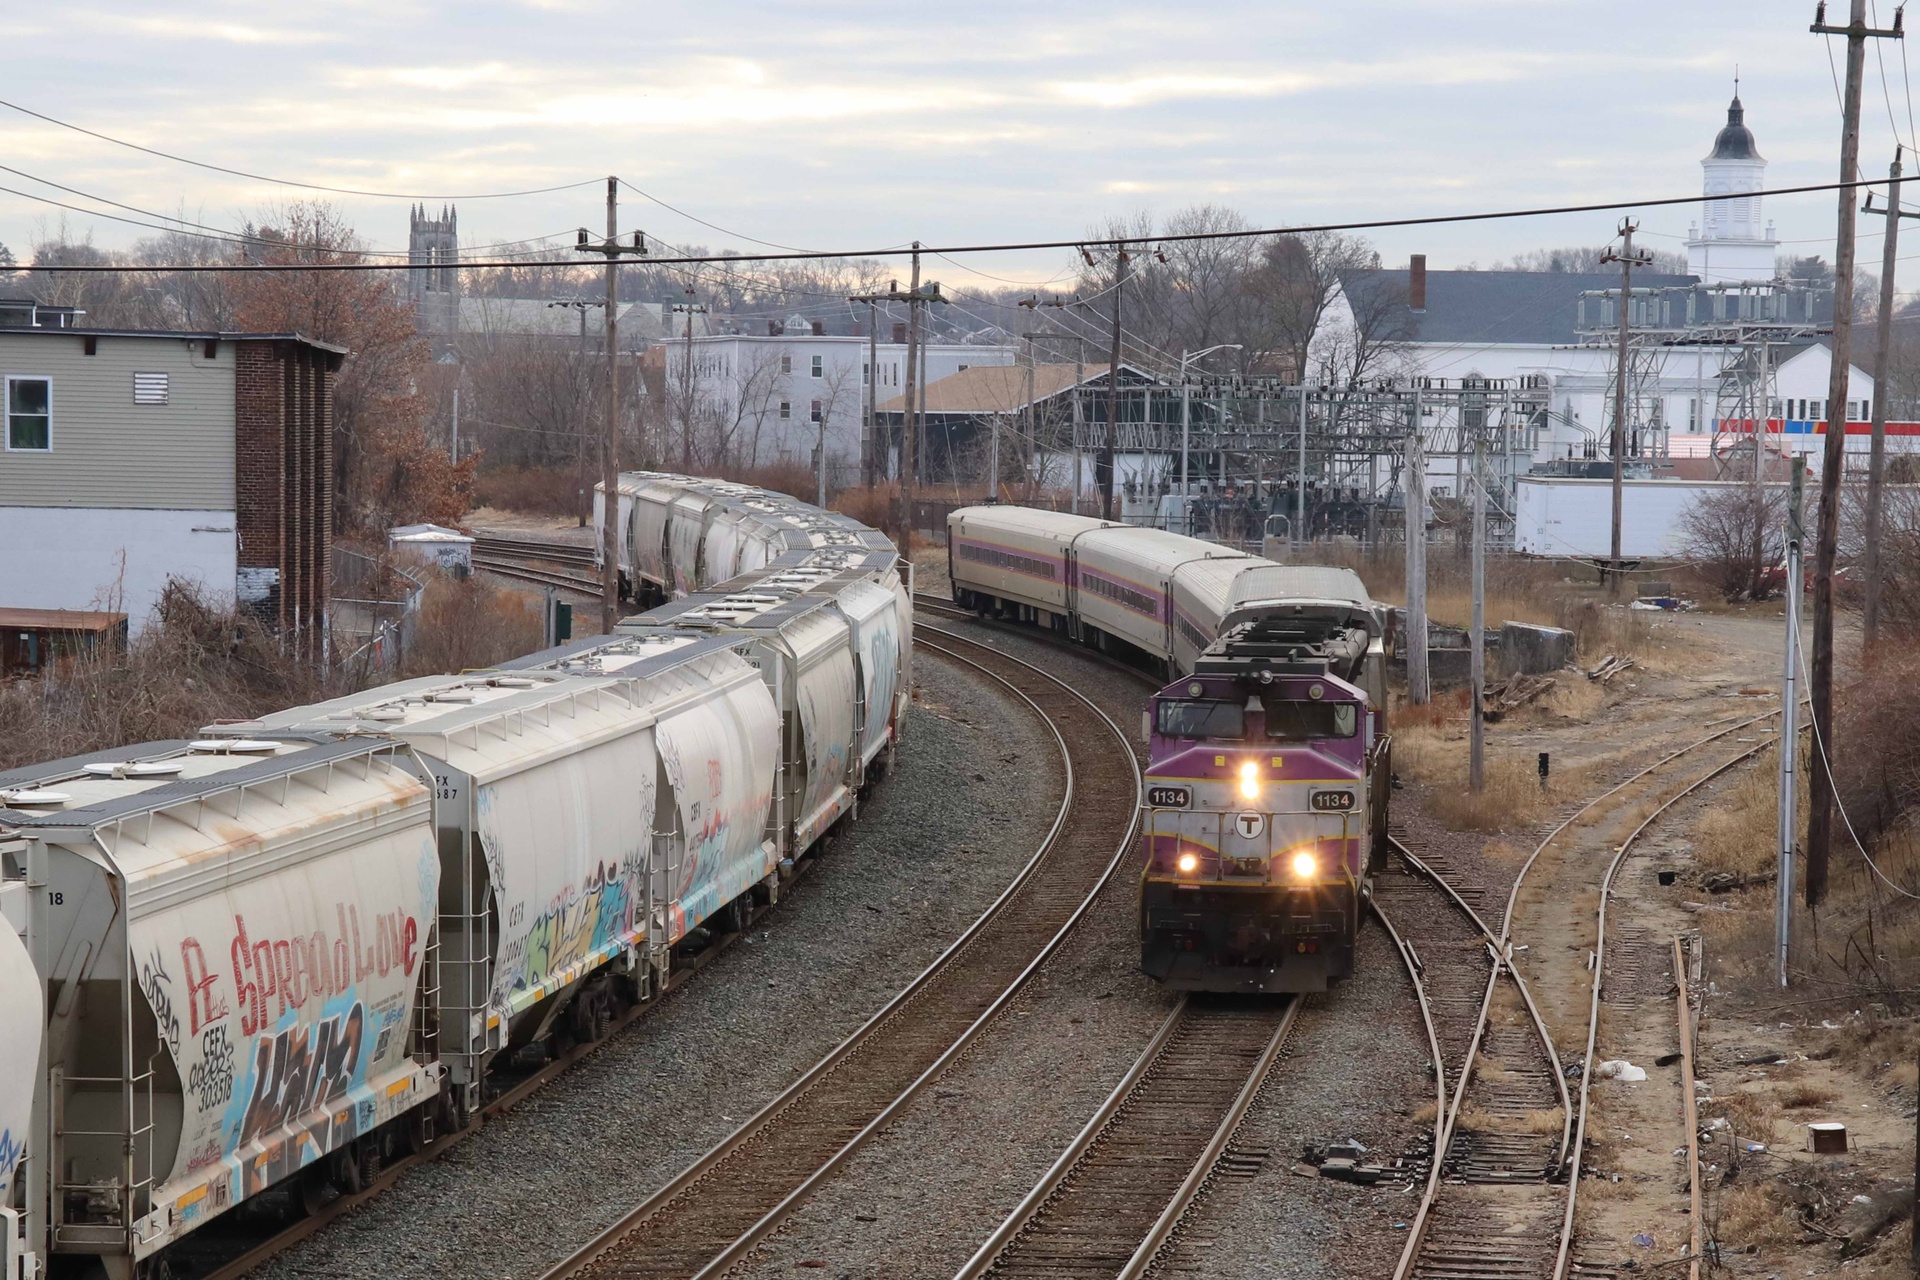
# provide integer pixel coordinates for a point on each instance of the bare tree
(1586, 258)
(1736, 536)
(1299, 279)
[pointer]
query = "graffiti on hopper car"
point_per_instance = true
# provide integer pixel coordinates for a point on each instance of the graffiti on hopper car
(301, 1068)
(579, 921)
(155, 986)
(289, 971)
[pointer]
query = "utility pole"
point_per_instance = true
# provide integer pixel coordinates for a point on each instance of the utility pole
(1877, 458)
(1834, 457)
(453, 455)
(686, 381)
(1103, 469)
(1419, 686)
(1477, 670)
(1628, 260)
(613, 251)
(869, 448)
(1789, 711)
(1300, 496)
(584, 495)
(912, 409)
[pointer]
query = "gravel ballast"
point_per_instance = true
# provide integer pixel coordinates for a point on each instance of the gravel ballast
(918, 1200)
(977, 781)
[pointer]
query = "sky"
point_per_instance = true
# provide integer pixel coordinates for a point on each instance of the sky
(846, 125)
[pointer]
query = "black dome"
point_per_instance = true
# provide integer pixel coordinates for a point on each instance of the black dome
(1735, 142)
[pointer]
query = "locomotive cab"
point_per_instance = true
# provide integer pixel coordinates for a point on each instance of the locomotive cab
(1265, 817)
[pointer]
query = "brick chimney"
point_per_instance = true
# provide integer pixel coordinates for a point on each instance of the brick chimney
(899, 331)
(819, 328)
(775, 328)
(1417, 282)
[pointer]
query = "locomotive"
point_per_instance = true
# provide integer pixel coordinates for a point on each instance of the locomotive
(1266, 805)
(1269, 761)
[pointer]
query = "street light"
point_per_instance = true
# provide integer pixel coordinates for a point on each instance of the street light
(1186, 415)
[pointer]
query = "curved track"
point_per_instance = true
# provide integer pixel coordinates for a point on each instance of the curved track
(1502, 1198)
(717, 1210)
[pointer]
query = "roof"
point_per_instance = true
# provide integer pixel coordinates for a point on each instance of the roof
(1002, 388)
(1494, 306)
(59, 620)
(188, 335)
(1735, 142)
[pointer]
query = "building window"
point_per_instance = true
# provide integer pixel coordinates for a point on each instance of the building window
(963, 368)
(817, 371)
(786, 409)
(150, 388)
(866, 374)
(814, 413)
(786, 364)
(30, 414)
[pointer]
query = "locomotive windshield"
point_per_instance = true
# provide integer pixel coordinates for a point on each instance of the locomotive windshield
(1191, 718)
(1296, 721)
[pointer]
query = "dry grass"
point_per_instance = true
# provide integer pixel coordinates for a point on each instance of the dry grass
(1806, 1096)
(1753, 1116)
(1549, 1121)
(1425, 1114)
(1432, 749)
(546, 491)
(1738, 833)
(1756, 1213)
(191, 666)
(469, 623)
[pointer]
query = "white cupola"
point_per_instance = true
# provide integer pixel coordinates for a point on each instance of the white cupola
(1732, 243)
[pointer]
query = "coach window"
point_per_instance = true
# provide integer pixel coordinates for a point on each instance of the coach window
(1184, 718)
(30, 414)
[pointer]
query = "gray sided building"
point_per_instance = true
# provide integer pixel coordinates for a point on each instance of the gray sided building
(130, 458)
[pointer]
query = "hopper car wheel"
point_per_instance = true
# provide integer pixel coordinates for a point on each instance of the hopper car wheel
(160, 1268)
(737, 913)
(420, 1130)
(311, 1193)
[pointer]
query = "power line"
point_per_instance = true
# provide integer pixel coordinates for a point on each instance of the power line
(1029, 246)
(290, 182)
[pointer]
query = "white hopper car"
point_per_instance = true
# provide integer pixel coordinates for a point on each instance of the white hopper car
(271, 958)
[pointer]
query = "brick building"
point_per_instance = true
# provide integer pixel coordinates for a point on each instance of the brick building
(130, 458)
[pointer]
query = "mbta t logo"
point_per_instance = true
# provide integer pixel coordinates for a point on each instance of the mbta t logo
(1251, 826)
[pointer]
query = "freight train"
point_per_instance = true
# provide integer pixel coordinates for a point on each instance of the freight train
(1269, 763)
(273, 955)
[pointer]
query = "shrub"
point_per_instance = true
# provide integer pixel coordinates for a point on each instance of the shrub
(546, 491)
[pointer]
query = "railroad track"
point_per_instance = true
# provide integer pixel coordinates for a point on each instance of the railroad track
(533, 549)
(538, 575)
(716, 1211)
(1501, 1197)
(1128, 1176)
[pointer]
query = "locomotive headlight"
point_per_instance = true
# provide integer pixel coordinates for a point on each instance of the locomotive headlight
(1250, 780)
(1188, 863)
(1305, 865)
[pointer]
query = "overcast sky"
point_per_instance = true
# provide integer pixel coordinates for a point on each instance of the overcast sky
(861, 125)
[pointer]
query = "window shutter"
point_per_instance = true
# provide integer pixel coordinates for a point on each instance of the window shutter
(150, 388)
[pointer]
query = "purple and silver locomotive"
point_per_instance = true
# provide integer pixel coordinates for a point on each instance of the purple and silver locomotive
(1266, 802)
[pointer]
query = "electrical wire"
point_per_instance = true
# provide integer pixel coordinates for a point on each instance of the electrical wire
(1432, 220)
(290, 182)
(1873, 7)
(1827, 764)
(220, 233)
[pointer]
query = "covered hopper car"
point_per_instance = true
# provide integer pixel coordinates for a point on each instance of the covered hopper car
(267, 959)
